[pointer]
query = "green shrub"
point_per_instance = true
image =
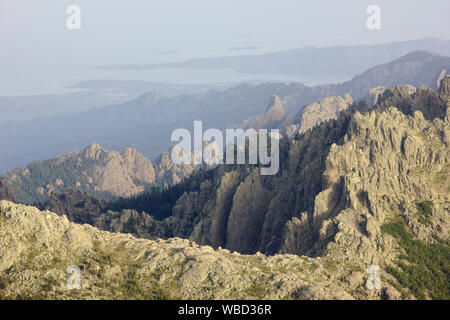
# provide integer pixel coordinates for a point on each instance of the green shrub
(424, 211)
(424, 267)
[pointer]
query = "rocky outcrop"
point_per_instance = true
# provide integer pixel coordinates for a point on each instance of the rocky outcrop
(121, 174)
(444, 91)
(388, 162)
(429, 102)
(375, 94)
(273, 116)
(37, 247)
(168, 173)
(441, 77)
(306, 118)
(315, 113)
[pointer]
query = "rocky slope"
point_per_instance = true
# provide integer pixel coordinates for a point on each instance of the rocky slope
(416, 68)
(36, 248)
(94, 169)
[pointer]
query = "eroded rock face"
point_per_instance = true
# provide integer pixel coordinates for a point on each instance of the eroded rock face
(97, 171)
(121, 174)
(94, 170)
(36, 247)
(388, 161)
(247, 215)
(375, 94)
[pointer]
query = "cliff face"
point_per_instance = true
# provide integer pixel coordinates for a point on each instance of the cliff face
(121, 174)
(388, 164)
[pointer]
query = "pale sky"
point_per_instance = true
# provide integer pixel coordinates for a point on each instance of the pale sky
(33, 33)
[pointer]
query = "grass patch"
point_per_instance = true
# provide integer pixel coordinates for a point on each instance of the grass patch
(257, 290)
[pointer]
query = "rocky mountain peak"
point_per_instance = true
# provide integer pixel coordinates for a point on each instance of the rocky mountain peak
(274, 114)
(93, 151)
(275, 104)
(95, 170)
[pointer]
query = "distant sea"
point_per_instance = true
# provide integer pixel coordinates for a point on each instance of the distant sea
(34, 81)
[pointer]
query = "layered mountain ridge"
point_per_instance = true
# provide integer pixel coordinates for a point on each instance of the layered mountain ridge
(147, 122)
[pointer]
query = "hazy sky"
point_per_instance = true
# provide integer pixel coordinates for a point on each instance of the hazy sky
(33, 33)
